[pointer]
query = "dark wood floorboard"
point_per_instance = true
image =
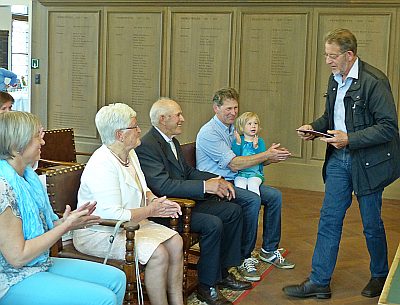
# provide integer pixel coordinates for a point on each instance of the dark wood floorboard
(300, 214)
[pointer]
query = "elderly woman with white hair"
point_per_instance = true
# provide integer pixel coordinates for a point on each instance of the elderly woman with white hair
(114, 179)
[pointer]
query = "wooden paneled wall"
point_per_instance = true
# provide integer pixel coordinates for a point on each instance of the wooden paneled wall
(100, 52)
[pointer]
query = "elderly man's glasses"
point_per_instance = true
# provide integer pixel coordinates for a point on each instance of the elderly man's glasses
(133, 127)
(332, 56)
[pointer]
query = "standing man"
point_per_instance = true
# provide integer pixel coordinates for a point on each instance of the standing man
(363, 156)
(214, 154)
(219, 222)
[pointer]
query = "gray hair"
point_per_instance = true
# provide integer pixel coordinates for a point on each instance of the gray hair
(343, 38)
(161, 107)
(16, 131)
(112, 117)
(225, 94)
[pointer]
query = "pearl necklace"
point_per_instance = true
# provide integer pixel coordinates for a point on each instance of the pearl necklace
(124, 163)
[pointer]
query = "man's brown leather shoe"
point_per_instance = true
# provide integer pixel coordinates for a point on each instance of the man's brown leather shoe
(232, 283)
(374, 287)
(211, 296)
(308, 289)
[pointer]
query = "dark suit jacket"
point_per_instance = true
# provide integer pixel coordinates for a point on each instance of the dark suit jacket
(165, 175)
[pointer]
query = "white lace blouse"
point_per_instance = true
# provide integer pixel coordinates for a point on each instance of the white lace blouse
(9, 275)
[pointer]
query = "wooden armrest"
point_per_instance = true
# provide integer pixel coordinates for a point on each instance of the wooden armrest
(186, 205)
(108, 222)
(53, 162)
(130, 225)
(81, 153)
(184, 202)
(126, 225)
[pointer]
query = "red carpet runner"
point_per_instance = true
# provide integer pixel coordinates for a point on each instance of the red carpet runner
(235, 296)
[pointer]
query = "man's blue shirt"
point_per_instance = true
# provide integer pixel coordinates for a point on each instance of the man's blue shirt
(343, 86)
(213, 148)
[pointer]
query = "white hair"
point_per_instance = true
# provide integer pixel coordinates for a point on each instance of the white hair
(112, 117)
(161, 107)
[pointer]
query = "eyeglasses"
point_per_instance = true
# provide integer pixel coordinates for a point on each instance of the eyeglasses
(133, 127)
(332, 56)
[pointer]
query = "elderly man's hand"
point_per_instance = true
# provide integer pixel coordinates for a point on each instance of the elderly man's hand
(220, 187)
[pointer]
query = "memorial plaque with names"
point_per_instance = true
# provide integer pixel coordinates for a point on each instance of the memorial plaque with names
(134, 61)
(200, 64)
(272, 74)
(372, 33)
(73, 71)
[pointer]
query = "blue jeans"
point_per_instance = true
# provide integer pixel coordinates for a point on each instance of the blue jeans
(338, 198)
(70, 281)
(250, 202)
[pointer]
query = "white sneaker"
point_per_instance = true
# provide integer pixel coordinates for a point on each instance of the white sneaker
(275, 258)
(248, 270)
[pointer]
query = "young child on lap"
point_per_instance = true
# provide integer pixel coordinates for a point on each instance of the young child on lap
(248, 143)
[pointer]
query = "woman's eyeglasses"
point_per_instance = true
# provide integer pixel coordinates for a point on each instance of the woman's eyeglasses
(133, 127)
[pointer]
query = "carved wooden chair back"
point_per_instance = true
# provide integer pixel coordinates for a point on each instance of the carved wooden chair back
(59, 149)
(62, 187)
(59, 145)
(189, 153)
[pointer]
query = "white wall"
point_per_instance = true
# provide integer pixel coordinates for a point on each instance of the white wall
(5, 17)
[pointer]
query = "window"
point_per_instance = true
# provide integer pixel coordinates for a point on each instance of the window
(20, 42)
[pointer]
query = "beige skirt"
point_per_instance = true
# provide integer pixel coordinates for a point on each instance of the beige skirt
(96, 242)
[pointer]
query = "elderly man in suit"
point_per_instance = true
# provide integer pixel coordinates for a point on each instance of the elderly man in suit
(217, 220)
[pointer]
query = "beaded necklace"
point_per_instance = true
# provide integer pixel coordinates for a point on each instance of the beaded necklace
(124, 163)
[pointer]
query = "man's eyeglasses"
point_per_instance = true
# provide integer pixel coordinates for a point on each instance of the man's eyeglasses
(332, 56)
(133, 127)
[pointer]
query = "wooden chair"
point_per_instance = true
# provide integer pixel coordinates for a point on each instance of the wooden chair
(62, 187)
(192, 239)
(59, 149)
(189, 153)
(189, 239)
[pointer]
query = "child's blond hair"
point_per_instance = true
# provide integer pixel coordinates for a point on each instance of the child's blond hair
(243, 119)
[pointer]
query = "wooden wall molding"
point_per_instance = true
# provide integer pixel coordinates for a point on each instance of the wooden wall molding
(298, 3)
